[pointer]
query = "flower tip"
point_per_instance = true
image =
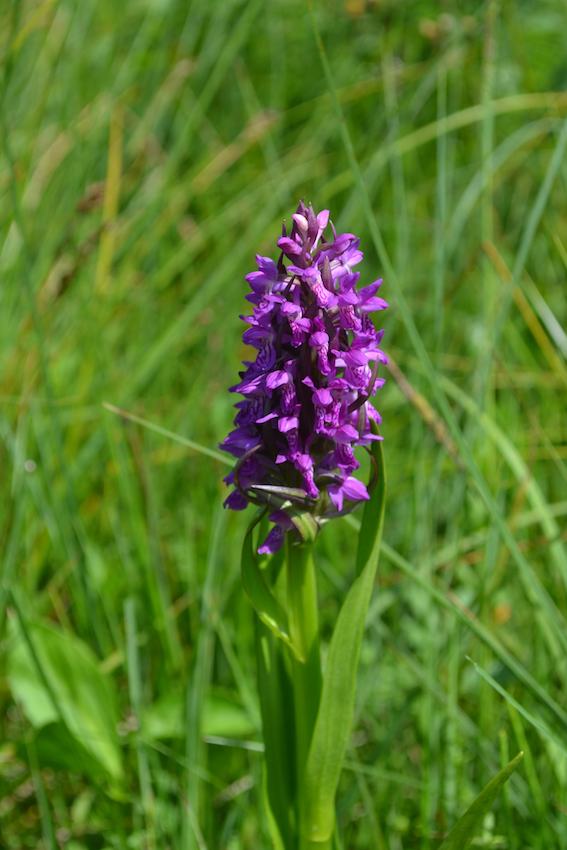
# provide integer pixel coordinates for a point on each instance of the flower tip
(301, 222)
(288, 246)
(355, 489)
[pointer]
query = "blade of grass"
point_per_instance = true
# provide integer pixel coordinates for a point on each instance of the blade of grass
(198, 686)
(136, 700)
(171, 435)
(454, 605)
(537, 724)
(462, 834)
(521, 472)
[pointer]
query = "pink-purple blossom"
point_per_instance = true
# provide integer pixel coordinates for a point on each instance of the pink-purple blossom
(306, 394)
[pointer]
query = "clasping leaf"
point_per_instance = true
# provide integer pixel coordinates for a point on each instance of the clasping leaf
(263, 600)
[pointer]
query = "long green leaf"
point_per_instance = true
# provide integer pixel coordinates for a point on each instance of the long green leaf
(276, 706)
(334, 719)
(468, 825)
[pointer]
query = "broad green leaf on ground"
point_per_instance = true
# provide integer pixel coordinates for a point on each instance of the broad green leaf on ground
(57, 747)
(469, 824)
(223, 716)
(334, 719)
(56, 678)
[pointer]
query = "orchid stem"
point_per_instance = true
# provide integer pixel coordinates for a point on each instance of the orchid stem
(306, 673)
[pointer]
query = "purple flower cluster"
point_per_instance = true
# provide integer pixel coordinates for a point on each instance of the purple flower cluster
(305, 404)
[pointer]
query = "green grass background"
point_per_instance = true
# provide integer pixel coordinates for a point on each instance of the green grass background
(147, 150)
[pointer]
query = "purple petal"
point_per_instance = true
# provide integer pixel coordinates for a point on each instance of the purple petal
(336, 494)
(373, 304)
(318, 339)
(287, 423)
(290, 309)
(258, 281)
(236, 501)
(355, 358)
(282, 519)
(288, 246)
(346, 434)
(267, 265)
(350, 297)
(370, 290)
(323, 397)
(301, 222)
(354, 489)
(277, 379)
(249, 385)
(239, 441)
(273, 542)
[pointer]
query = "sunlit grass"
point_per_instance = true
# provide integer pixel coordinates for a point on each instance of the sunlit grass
(146, 152)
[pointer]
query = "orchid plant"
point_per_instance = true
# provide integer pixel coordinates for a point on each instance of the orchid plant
(306, 407)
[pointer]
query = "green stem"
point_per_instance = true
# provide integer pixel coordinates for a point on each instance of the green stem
(305, 674)
(316, 845)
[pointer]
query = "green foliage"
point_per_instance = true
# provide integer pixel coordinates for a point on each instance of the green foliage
(278, 723)
(462, 834)
(147, 151)
(223, 716)
(59, 684)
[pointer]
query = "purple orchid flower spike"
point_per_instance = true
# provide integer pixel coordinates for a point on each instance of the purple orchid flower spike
(306, 395)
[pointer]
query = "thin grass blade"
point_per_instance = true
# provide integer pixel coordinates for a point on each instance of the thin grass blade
(462, 834)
